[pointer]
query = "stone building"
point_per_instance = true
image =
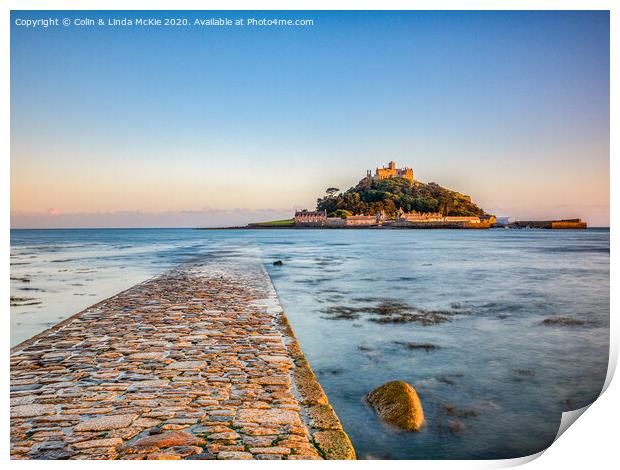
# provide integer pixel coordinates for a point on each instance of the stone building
(462, 218)
(336, 222)
(357, 220)
(391, 171)
(435, 217)
(311, 218)
(415, 216)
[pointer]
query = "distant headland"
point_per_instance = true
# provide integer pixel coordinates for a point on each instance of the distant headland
(393, 198)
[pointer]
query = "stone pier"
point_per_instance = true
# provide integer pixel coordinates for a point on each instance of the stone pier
(198, 363)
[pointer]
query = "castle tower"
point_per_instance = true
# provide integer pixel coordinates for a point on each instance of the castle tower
(390, 171)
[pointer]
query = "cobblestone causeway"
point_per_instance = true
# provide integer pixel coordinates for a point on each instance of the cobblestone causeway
(198, 363)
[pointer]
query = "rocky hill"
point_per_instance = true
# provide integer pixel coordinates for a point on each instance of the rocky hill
(371, 196)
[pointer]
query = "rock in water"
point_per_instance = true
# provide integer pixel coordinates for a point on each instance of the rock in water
(398, 403)
(278, 263)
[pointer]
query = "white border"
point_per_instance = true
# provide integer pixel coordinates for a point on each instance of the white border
(591, 443)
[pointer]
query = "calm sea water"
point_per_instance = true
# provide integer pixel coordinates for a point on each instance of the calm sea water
(493, 377)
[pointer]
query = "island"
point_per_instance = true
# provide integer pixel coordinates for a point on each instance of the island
(393, 198)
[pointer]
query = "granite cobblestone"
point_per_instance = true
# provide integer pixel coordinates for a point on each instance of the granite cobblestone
(197, 363)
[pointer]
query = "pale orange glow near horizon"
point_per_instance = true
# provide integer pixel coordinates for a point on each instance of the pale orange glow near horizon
(513, 111)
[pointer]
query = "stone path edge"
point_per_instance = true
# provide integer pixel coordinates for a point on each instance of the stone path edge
(33, 339)
(325, 428)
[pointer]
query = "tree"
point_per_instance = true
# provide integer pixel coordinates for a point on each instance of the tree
(371, 196)
(342, 213)
(390, 208)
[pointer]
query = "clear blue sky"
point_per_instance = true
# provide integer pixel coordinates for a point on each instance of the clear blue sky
(199, 126)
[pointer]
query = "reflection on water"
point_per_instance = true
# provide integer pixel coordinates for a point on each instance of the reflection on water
(499, 331)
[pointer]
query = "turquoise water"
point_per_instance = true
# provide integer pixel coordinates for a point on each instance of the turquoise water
(493, 376)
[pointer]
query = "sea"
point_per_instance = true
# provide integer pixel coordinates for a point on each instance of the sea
(499, 331)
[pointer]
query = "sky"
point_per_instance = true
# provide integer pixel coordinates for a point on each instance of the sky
(211, 126)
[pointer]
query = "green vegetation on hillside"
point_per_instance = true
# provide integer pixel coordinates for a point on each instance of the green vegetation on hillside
(279, 223)
(342, 213)
(371, 196)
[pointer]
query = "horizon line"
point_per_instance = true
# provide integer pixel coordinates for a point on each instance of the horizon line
(179, 227)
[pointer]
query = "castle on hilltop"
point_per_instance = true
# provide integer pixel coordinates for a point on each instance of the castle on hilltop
(391, 171)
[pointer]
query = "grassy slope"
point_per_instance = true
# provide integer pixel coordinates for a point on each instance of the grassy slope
(284, 222)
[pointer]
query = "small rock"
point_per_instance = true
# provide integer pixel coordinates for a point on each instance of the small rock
(425, 346)
(563, 321)
(398, 403)
(278, 263)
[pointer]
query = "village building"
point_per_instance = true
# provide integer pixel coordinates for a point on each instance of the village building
(436, 217)
(462, 218)
(415, 216)
(357, 220)
(311, 218)
(336, 222)
(391, 171)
